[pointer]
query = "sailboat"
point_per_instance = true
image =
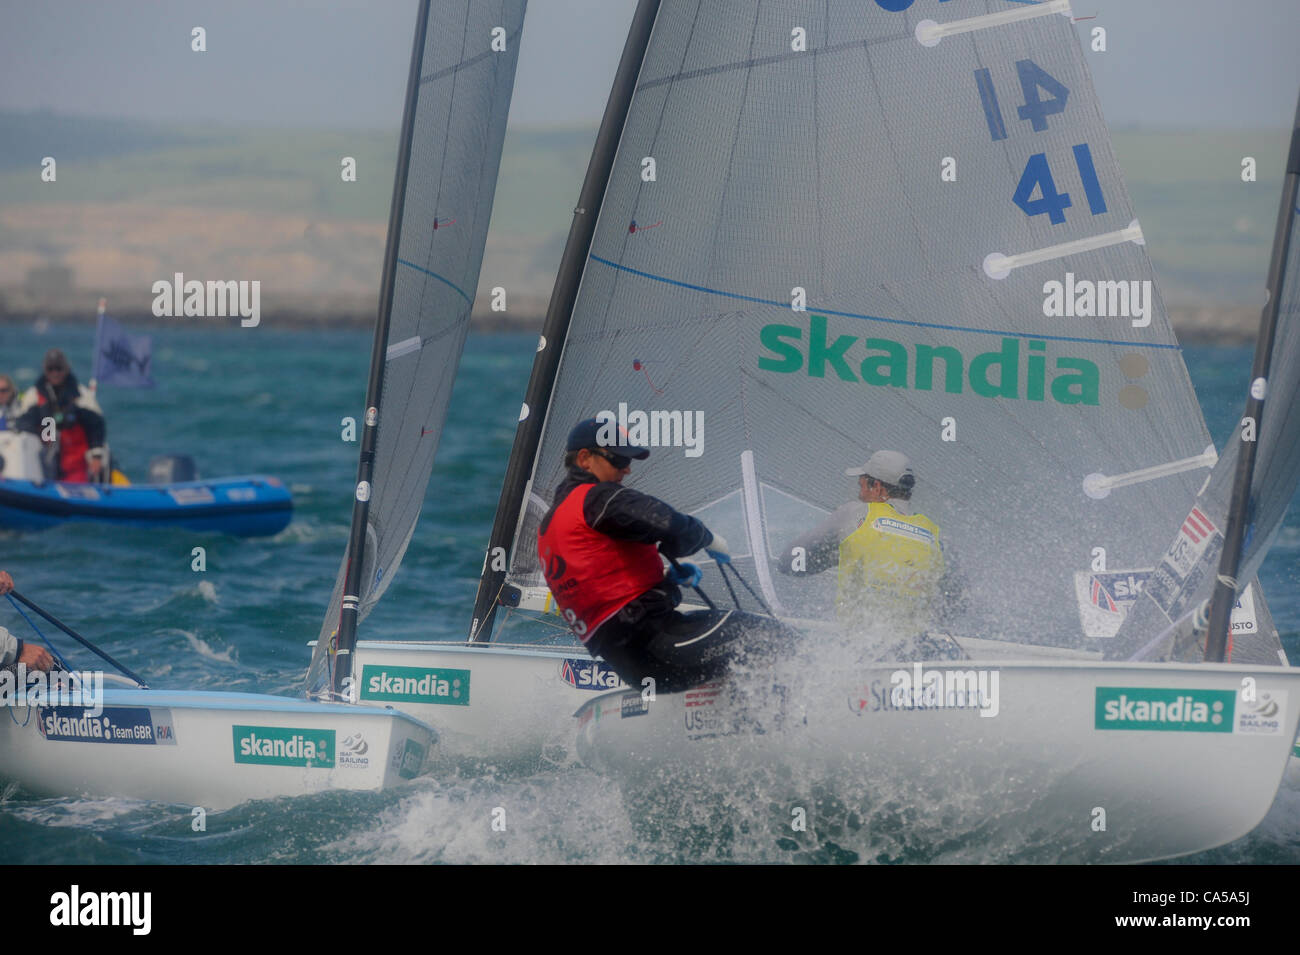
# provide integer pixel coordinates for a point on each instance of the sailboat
(859, 214)
(218, 749)
(863, 212)
(499, 702)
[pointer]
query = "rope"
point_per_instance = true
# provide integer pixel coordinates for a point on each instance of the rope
(761, 602)
(31, 623)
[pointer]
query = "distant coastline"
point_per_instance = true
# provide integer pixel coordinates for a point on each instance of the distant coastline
(135, 203)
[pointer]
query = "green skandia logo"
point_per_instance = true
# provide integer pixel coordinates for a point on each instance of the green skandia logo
(1157, 708)
(284, 746)
(1004, 372)
(415, 685)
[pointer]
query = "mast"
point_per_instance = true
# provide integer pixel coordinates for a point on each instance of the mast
(559, 313)
(347, 632)
(1225, 588)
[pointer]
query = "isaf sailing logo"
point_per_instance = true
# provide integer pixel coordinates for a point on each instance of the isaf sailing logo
(1265, 715)
(353, 752)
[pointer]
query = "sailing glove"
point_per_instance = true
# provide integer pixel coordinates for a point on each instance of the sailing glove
(684, 575)
(719, 550)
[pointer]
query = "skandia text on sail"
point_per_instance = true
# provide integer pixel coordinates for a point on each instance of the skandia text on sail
(1084, 298)
(195, 299)
(652, 429)
(1014, 370)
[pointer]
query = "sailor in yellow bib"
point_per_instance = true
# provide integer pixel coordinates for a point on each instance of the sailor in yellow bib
(889, 559)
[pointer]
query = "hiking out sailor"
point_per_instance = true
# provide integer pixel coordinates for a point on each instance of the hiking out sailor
(78, 453)
(889, 558)
(597, 547)
(14, 651)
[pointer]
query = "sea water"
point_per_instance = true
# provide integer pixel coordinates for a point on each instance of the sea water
(258, 400)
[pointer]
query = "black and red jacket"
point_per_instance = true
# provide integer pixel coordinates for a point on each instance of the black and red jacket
(597, 547)
(79, 428)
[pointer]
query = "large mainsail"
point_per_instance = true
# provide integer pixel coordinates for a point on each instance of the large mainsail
(458, 97)
(1172, 607)
(835, 227)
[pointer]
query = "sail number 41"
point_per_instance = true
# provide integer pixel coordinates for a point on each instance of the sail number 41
(1036, 193)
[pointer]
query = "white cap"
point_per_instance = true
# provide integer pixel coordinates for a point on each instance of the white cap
(888, 467)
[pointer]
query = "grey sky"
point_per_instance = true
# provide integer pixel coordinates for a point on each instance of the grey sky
(342, 63)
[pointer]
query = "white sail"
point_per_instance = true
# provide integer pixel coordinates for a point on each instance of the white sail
(461, 100)
(831, 229)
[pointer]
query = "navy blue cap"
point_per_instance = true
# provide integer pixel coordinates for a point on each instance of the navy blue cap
(588, 434)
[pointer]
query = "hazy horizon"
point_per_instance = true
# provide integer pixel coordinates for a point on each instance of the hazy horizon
(341, 64)
(557, 127)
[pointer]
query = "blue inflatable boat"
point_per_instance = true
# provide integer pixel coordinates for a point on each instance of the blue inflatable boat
(246, 506)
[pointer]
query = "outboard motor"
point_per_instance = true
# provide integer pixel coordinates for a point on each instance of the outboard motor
(172, 468)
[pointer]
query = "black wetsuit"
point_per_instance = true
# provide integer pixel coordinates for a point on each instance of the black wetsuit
(649, 637)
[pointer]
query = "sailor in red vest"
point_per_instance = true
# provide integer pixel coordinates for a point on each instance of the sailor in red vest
(598, 551)
(78, 421)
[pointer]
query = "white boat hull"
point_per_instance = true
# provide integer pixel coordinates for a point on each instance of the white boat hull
(487, 701)
(213, 750)
(1069, 768)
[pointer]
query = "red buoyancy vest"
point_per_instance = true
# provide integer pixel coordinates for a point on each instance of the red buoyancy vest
(592, 576)
(73, 446)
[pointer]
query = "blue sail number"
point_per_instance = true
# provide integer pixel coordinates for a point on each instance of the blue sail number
(1037, 178)
(1036, 109)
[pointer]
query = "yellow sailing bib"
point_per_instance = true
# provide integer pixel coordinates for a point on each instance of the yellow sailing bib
(889, 566)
